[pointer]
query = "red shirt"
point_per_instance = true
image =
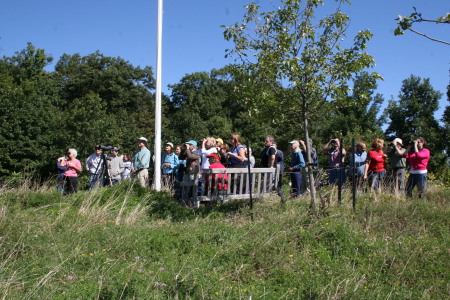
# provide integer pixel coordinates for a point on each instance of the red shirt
(222, 179)
(376, 161)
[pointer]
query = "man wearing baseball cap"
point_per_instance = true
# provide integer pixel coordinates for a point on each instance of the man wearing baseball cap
(189, 176)
(141, 162)
(295, 167)
(397, 164)
(115, 165)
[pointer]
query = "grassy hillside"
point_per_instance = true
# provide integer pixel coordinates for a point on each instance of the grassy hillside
(127, 243)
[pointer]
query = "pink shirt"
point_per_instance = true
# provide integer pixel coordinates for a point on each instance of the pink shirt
(418, 160)
(71, 172)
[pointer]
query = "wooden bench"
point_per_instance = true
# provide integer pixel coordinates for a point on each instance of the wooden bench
(237, 186)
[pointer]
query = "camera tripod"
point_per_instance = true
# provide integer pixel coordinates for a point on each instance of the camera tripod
(104, 176)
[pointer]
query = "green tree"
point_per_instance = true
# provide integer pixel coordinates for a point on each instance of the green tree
(206, 104)
(104, 100)
(29, 120)
(413, 116)
(358, 116)
(290, 47)
(87, 100)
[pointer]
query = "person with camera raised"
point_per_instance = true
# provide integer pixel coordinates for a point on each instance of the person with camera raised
(208, 147)
(418, 158)
(73, 167)
(190, 176)
(335, 161)
(141, 162)
(115, 165)
(398, 165)
(60, 175)
(95, 167)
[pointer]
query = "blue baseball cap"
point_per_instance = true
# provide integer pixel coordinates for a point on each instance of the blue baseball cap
(192, 142)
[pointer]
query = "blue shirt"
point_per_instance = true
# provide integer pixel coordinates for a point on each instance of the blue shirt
(235, 150)
(172, 159)
(297, 160)
(360, 161)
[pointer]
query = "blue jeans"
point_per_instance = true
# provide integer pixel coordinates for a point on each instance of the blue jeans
(93, 180)
(417, 179)
(333, 176)
(375, 178)
(114, 181)
(296, 180)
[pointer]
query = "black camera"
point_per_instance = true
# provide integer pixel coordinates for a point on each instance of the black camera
(333, 142)
(67, 155)
(411, 143)
(105, 148)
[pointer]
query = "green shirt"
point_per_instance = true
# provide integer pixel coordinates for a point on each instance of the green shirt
(141, 159)
(396, 160)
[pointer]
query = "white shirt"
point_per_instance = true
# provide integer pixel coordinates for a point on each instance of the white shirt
(205, 152)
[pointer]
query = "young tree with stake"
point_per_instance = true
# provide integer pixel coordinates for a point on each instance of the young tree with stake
(298, 60)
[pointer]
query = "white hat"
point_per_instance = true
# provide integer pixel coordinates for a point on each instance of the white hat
(142, 139)
(170, 144)
(397, 140)
(294, 142)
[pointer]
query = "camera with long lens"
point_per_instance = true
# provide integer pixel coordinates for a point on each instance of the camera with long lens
(105, 148)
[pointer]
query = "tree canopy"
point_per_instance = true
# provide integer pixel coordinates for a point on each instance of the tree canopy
(95, 99)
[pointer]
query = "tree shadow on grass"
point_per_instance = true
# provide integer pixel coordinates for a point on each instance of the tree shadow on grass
(168, 208)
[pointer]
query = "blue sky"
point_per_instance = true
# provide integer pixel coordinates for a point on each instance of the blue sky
(193, 39)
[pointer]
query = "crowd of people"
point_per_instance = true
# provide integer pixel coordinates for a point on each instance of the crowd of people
(179, 164)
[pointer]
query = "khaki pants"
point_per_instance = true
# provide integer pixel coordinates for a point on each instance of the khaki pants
(143, 177)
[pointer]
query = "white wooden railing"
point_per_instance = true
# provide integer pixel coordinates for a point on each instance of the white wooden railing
(238, 185)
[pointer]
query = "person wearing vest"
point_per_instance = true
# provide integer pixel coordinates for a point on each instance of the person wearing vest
(398, 165)
(268, 159)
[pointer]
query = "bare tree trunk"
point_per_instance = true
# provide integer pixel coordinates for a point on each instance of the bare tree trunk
(309, 164)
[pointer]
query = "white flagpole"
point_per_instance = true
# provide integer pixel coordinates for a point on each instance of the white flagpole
(157, 175)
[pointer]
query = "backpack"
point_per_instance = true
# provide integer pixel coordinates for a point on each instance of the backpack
(279, 157)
